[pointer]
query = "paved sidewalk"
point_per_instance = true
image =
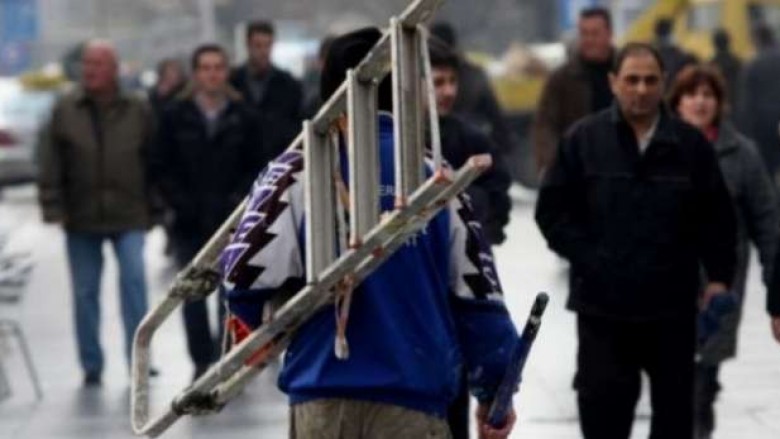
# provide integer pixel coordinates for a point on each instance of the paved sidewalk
(749, 407)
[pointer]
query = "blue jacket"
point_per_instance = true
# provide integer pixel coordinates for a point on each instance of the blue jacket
(434, 307)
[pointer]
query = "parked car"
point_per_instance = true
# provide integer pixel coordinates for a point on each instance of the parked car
(23, 111)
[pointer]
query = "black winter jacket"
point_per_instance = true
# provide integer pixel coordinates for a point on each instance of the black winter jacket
(636, 228)
(280, 108)
(204, 177)
(490, 192)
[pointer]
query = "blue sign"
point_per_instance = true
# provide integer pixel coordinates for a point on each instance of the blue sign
(18, 31)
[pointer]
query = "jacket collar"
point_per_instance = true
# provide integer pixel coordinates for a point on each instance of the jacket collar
(83, 98)
(247, 72)
(576, 65)
(664, 132)
(188, 93)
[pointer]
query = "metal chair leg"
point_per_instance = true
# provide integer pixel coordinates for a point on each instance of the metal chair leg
(16, 330)
(5, 386)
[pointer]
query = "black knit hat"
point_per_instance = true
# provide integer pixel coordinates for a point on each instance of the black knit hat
(346, 52)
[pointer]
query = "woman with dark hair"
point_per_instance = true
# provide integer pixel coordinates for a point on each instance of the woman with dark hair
(698, 96)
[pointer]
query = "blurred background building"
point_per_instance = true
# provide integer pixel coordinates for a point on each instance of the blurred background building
(36, 32)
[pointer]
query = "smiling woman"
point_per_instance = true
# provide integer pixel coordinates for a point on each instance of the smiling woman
(698, 96)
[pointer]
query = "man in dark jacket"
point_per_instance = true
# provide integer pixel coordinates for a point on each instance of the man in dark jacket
(93, 181)
(727, 62)
(461, 140)
(578, 88)
(773, 299)
(208, 152)
(273, 92)
(636, 201)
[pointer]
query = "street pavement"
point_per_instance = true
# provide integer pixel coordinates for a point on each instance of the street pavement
(749, 406)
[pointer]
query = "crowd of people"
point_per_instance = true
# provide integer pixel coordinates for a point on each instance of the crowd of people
(654, 196)
(114, 164)
(658, 173)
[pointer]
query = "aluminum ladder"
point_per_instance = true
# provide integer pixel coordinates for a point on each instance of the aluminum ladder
(372, 239)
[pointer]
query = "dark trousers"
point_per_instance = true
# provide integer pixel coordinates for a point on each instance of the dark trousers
(707, 389)
(613, 354)
(201, 343)
(458, 412)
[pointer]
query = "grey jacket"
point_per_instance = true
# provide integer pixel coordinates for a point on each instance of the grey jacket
(758, 217)
(93, 171)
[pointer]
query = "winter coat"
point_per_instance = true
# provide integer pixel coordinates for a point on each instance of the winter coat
(566, 98)
(94, 164)
(280, 107)
(758, 219)
(490, 192)
(203, 176)
(636, 228)
(476, 103)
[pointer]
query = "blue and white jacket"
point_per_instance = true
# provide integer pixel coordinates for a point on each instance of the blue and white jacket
(431, 309)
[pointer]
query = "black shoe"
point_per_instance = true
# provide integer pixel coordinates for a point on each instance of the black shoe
(93, 379)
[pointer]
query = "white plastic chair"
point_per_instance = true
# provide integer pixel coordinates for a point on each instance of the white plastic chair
(15, 272)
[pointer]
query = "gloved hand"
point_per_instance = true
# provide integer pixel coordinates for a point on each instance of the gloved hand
(710, 318)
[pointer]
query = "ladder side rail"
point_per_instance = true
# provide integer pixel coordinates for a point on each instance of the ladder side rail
(364, 171)
(408, 128)
(319, 201)
(430, 94)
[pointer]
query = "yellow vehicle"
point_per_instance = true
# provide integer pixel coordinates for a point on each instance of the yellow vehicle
(695, 20)
(694, 23)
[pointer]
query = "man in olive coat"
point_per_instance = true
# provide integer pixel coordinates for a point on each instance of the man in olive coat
(93, 182)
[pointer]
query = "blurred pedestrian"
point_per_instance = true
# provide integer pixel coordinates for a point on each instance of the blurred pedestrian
(312, 101)
(476, 102)
(489, 193)
(675, 59)
(698, 96)
(208, 151)
(759, 108)
(438, 293)
(461, 140)
(171, 79)
(773, 298)
(94, 183)
(727, 62)
(578, 88)
(274, 93)
(636, 202)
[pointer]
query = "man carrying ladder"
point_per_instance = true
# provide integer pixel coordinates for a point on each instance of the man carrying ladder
(405, 333)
